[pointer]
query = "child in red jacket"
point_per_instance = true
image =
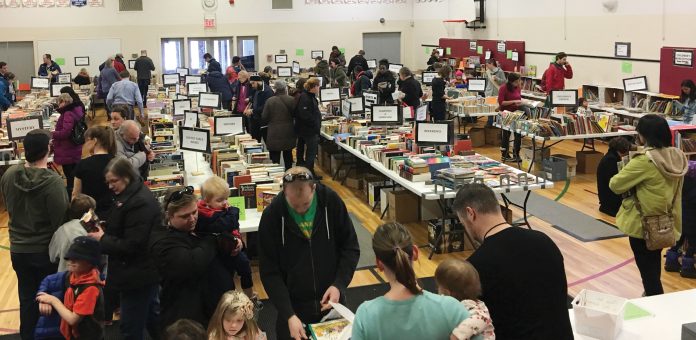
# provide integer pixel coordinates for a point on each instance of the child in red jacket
(554, 77)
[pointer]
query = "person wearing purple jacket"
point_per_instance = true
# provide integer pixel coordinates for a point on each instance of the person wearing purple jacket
(65, 152)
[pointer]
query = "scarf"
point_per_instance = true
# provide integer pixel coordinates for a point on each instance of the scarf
(91, 277)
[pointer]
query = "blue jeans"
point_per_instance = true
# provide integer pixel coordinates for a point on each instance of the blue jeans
(140, 310)
(31, 269)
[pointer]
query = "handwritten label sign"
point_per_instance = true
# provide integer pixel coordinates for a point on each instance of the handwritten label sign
(488, 54)
(181, 106)
(515, 56)
(286, 71)
(39, 83)
(422, 113)
(386, 114)
(193, 139)
(65, 78)
(395, 67)
(356, 104)
(345, 108)
(194, 89)
(472, 45)
(428, 77)
(330, 95)
(190, 119)
(432, 133)
(233, 125)
(209, 100)
(684, 58)
(295, 67)
(370, 99)
(478, 85)
(372, 63)
(193, 79)
(501, 46)
(636, 84)
(55, 89)
(18, 128)
(564, 98)
(170, 79)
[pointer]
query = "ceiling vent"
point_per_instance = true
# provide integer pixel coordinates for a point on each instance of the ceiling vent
(130, 5)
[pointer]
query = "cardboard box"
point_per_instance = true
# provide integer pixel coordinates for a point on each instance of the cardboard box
(688, 331)
(449, 243)
(493, 136)
(373, 191)
(526, 153)
(572, 163)
(337, 161)
(384, 201)
(403, 206)
(598, 315)
(588, 161)
(353, 181)
(477, 137)
(538, 167)
(556, 169)
(429, 210)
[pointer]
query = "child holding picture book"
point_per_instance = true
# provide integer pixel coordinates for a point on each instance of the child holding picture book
(234, 319)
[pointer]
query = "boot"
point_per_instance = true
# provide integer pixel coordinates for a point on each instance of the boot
(687, 269)
(672, 261)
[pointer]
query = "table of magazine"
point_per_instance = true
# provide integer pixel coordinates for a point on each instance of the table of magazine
(668, 312)
(442, 194)
(588, 140)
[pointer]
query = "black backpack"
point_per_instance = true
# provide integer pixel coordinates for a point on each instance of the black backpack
(77, 136)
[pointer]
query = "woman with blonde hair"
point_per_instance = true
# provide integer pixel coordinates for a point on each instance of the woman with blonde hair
(234, 319)
(82, 78)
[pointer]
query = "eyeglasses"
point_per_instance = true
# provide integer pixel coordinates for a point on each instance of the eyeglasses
(303, 176)
(177, 195)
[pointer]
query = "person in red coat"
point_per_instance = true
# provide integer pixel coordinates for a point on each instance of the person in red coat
(119, 64)
(558, 71)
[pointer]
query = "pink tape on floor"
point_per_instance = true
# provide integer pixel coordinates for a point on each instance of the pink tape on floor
(604, 272)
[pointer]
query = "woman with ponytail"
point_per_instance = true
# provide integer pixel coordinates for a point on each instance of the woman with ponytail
(406, 311)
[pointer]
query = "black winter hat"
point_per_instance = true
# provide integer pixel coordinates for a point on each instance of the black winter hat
(85, 248)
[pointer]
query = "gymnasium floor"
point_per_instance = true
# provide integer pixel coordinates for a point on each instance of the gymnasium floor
(605, 265)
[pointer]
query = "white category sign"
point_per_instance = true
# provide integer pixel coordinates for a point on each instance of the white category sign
(501, 46)
(621, 50)
(488, 54)
(422, 113)
(39, 83)
(330, 94)
(472, 45)
(229, 125)
(385, 113)
(356, 104)
(428, 77)
(295, 67)
(683, 58)
(19, 128)
(195, 140)
(395, 67)
(285, 71)
(190, 119)
(196, 89)
(515, 56)
(635, 84)
(564, 98)
(193, 79)
(370, 99)
(65, 78)
(281, 58)
(181, 106)
(316, 54)
(372, 63)
(182, 71)
(170, 79)
(55, 89)
(432, 133)
(345, 108)
(211, 100)
(477, 85)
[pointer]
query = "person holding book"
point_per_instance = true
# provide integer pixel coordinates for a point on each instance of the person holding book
(384, 83)
(609, 202)
(409, 311)
(187, 262)
(438, 106)
(234, 319)
(460, 280)
(521, 270)
(82, 307)
(49, 68)
(308, 252)
(653, 179)
(686, 105)
(510, 99)
(215, 216)
(63, 237)
(124, 238)
(36, 202)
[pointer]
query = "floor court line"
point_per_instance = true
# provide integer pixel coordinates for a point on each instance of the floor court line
(602, 273)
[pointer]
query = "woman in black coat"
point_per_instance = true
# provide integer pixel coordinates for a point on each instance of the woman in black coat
(308, 125)
(125, 238)
(217, 82)
(384, 83)
(193, 280)
(410, 87)
(609, 202)
(438, 106)
(278, 116)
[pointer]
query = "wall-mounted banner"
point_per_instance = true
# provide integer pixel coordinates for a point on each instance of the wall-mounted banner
(359, 2)
(96, 3)
(62, 3)
(30, 3)
(78, 3)
(47, 3)
(13, 3)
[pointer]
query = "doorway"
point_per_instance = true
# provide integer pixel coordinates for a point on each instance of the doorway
(19, 56)
(247, 49)
(383, 45)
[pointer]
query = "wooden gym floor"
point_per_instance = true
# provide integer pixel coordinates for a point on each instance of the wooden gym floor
(605, 266)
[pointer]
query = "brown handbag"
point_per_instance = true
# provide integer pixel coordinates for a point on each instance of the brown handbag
(658, 230)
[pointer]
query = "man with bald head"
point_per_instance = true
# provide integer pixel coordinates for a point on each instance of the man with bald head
(308, 252)
(130, 143)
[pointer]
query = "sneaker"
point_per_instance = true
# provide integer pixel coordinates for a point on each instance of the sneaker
(505, 157)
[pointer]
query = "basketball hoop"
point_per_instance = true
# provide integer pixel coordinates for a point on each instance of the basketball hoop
(453, 27)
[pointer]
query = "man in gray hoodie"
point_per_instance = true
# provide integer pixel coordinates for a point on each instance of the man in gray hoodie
(36, 202)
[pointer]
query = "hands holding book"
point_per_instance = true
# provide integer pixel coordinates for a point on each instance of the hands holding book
(297, 330)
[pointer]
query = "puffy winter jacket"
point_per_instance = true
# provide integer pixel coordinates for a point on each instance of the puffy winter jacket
(219, 84)
(48, 327)
(65, 151)
(307, 115)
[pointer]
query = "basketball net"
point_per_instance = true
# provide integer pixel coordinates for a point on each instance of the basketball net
(454, 28)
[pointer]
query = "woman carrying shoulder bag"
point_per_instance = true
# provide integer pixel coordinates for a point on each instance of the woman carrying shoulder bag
(654, 179)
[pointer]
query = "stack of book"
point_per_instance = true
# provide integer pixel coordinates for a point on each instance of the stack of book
(415, 169)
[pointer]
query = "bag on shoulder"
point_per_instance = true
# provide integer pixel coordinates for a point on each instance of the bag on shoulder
(658, 230)
(77, 136)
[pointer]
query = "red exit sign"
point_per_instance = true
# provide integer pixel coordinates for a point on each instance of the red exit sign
(209, 23)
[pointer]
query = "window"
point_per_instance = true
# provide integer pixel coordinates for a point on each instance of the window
(247, 50)
(281, 4)
(219, 48)
(172, 54)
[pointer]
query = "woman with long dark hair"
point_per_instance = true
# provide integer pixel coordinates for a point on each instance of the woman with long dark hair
(654, 178)
(406, 306)
(510, 99)
(100, 144)
(687, 101)
(438, 106)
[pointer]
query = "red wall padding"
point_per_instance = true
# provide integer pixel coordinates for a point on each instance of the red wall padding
(671, 76)
(460, 48)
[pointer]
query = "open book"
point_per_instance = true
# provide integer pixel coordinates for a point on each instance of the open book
(337, 325)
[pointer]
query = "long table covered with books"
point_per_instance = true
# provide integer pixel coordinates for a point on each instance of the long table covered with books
(548, 141)
(515, 181)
